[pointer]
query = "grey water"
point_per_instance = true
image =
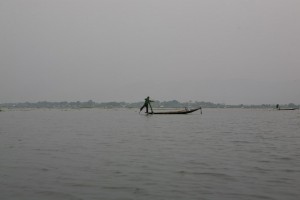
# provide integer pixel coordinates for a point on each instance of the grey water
(119, 154)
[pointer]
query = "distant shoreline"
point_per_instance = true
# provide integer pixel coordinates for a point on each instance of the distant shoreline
(109, 105)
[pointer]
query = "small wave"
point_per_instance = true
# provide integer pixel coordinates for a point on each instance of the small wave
(241, 142)
(117, 187)
(250, 196)
(81, 185)
(132, 189)
(211, 174)
(291, 170)
(261, 170)
(285, 158)
(280, 180)
(264, 161)
(44, 169)
(57, 195)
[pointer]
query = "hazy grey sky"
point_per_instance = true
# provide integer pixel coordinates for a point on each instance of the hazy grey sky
(233, 51)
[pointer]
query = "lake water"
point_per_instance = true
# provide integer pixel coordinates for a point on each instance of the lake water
(118, 155)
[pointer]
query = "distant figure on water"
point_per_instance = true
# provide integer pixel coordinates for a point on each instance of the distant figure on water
(277, 107)
(146, 104)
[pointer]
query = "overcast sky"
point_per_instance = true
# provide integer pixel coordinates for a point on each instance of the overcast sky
(233, 51)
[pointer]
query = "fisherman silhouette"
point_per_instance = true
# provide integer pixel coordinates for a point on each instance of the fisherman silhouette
(146, 104)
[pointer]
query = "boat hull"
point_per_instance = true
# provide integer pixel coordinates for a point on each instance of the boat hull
(180, 112)
(287, 109)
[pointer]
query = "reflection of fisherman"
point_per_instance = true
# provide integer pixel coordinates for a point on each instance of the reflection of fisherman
(147, 102)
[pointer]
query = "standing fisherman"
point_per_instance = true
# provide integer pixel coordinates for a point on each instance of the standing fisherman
(147, 102)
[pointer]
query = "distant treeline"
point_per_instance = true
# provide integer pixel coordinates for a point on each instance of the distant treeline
(156, 104)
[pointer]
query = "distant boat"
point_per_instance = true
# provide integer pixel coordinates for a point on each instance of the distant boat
(175, 112)
(278, 108)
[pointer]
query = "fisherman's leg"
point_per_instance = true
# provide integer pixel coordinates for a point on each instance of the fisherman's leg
(151, 108)
(142, 108)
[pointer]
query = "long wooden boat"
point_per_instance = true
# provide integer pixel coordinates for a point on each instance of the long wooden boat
(185, 111)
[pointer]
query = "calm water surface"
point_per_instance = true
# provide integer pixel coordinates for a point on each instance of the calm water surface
(119, 154)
